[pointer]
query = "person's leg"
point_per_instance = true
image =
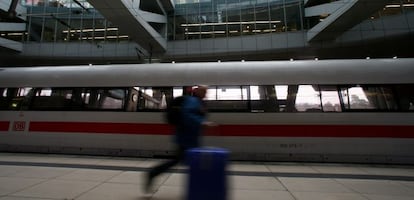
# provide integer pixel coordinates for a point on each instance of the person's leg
(163, 167)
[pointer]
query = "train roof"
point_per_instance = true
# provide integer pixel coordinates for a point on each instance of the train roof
(352, 71)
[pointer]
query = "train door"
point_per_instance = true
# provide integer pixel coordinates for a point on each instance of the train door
(132, 100)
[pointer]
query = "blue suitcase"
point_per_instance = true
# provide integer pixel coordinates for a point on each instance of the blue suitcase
(207, 173)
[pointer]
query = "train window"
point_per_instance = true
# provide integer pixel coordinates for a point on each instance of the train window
(78, 99)
(263, 98)
(44, 92)
(231, 93)
(281, 92)
(330, 99)
(4, 100)
(405, 96)
(355, 98)
(102, 98)
(228, 98)
(156, 98)
(308, 99)
(368, 98)
(177, 91)
(49, 99)
(13, 98)
(227, 93)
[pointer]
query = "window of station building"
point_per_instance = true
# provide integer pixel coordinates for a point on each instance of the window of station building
(68, 21)
(227, 18)
(57, 3)
(396, 7)
(234, 23)
(248, 19)
(277, 17)
(193, 21)
(13, 35)
(206, 19)
(408, 5)
(220, 25)
(293, 15)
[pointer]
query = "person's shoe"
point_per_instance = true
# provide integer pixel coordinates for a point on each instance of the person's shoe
(148, 184)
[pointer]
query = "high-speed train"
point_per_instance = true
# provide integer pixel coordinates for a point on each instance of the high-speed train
(356, 110)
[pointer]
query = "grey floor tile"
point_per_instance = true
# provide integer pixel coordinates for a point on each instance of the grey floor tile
(57, 189)
(43, 172)
(313, 185)
(9, 185)
(128, 177)
(291, 169)
(327, 196)
(176, 180)
(332, 169)
(379, 187)
(10, 170)
(21, 198)
(254, 183)
(122, 162)
(81, 160)
(90, 175)
(150, 163)
(169, 193)
(22, 157)
(243, 167)
(409, 184)
(259, 195)
(388, 197)
(113, 191)
(138, 178)
(390, 171)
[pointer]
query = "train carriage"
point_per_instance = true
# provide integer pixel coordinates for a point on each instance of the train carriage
(357, 110)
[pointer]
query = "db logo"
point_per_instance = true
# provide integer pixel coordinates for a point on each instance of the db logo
(19, 126)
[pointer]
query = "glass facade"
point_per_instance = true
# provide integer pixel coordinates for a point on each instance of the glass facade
(227, 18)
(67, 21)
(395, 7)
(74, 21)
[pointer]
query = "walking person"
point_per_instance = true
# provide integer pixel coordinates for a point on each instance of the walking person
(187, 132)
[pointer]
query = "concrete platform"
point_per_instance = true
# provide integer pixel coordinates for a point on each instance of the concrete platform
(46, 177)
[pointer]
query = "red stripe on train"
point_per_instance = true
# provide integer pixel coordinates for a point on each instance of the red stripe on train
(380, 131)
(4, 126)
(95, 127)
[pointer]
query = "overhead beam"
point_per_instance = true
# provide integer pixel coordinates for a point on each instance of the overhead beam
(349, 14)
(130, 20)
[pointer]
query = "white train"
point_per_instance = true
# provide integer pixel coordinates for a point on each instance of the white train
(322, 111)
